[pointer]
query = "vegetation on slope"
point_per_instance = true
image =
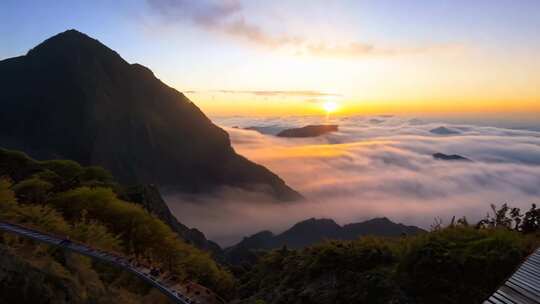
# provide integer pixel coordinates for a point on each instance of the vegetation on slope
(62, 197)
(456, 264)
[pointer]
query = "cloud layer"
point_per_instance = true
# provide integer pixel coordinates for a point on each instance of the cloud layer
(374, 166)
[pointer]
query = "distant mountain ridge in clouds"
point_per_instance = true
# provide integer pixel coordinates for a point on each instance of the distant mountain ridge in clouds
(312, 231)
(450, 157)
(444, 131)
(72, 97)
(308, 131)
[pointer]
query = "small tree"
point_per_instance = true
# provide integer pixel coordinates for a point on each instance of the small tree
(531, 220)
(504, 217)
(96, 174)
(32, 190)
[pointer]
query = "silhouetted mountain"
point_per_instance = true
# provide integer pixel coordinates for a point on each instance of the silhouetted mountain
(381, 226)
(307, 232)
(272, 129)
(450, 157)
(444, 131)
(312, 231)
(71, 97)
(308, 131)
(245, 251)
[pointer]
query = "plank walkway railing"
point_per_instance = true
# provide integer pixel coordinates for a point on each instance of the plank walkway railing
(523, 287)
(113, 259)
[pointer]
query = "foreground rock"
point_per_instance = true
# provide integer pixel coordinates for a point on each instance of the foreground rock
(308, 131)
(71, 97)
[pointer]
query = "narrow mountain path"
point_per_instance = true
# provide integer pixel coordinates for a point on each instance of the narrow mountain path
(523, 287)
(143, 273)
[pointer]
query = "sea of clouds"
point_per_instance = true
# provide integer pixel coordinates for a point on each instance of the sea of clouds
(374, 166)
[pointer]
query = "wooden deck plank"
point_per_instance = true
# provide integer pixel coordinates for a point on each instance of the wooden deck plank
(523, 287)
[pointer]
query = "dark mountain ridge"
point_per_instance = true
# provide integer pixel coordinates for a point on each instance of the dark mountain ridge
(72, 97)
(312, 231)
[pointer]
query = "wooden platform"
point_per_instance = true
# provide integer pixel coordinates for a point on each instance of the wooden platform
(523, 287)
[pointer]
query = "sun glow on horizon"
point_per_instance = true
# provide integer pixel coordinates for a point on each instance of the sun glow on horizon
(330, 106)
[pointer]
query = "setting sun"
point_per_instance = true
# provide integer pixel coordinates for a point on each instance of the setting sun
(330, 106)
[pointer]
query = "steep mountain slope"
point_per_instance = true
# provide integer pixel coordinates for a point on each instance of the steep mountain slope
(17, 166)
(71, 97)
(149, 197)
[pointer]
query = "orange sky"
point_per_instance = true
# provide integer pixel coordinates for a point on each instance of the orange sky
(468, 79)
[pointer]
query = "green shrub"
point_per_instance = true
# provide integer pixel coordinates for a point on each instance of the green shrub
(33, 190)
(142, 234)
(66, 169)
(459, 264)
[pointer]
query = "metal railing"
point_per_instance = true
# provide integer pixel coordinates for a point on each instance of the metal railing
(110, 258)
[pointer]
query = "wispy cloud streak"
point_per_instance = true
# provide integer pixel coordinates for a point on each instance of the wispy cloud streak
(227, 17)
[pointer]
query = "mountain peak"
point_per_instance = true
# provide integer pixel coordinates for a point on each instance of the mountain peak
(73, 97)
(313, 230)
(312, 222)
(72, 33)
(383, 219)
(72, 44)
(69, 36)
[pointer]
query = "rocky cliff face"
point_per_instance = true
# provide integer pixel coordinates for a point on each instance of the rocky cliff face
(71, 97)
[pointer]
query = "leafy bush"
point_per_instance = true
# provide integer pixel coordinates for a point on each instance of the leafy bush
(7, 199)
(457, 264)
(33, 190)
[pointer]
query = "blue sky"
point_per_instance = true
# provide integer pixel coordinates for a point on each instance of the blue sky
(336, 39)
